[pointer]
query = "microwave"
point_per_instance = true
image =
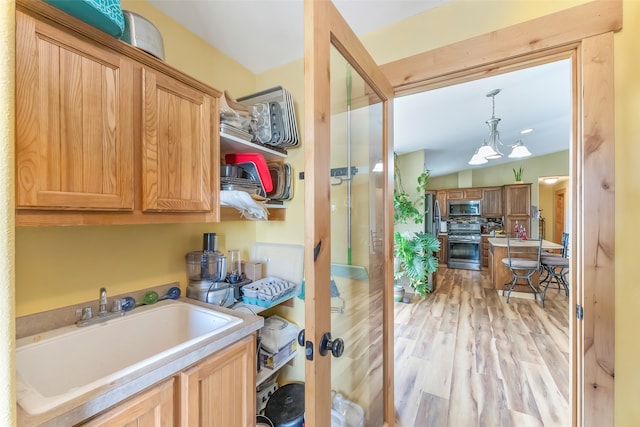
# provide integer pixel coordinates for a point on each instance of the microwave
(464, 208)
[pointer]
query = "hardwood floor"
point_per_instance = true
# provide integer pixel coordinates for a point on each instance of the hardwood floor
(463, 357)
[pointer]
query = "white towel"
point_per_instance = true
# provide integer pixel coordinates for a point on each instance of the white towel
(241, 200)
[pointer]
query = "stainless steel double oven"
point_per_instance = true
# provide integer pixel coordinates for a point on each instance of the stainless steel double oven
(464, 241)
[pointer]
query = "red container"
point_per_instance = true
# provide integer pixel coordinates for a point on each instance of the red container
(260, 163)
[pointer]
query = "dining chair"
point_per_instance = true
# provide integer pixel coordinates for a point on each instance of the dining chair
(555, 269)
(523, 260)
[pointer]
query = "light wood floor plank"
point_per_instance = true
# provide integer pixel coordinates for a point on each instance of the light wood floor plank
(464, 357)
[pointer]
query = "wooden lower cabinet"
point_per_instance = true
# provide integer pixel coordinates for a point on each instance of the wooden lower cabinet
(152, 408)
(218, 391)
(442, 255)
(485, 251)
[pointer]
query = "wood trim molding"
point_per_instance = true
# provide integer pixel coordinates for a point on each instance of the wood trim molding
(537, 35)
(586, 37)
(596, 233)
(325, 27)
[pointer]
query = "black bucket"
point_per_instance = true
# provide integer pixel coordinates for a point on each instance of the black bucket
(285, 407)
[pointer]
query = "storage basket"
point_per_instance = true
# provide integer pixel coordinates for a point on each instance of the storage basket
(106, 15)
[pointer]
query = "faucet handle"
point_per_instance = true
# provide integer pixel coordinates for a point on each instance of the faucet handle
(117, 306)
(87, 313)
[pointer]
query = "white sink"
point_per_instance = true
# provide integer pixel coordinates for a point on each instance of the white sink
(57, 366)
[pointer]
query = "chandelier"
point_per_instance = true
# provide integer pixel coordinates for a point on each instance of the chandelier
(490, 149)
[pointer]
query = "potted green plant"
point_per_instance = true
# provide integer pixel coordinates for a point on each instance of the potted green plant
(517, 174)
(414, 251)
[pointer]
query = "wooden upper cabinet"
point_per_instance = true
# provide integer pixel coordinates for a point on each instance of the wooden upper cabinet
(517, 200)
(492, 202)
(465, 193)
(176, 146)
(74, 133)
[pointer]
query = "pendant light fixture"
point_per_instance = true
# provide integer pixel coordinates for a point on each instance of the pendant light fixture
(490, 148)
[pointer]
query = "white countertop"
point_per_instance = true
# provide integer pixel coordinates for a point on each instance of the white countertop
(502, 243)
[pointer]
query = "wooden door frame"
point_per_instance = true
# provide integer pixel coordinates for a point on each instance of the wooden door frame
(323, 27)
(556, 193)
(583, 34)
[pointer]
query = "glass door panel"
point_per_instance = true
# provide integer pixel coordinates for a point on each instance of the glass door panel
(348, 224)
(357, 246)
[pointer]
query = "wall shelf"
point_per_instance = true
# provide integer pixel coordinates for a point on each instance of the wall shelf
(266, 372)
(233, 144)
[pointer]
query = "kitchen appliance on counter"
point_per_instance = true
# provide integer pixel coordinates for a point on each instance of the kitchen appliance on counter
(458, 208)
(432, 215)
(207, 271)
(464, 245)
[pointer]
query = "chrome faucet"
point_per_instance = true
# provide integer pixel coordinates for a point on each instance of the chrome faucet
(102, 308)
(86, 314)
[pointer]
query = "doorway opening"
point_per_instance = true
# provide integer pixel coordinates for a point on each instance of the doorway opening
(592, 353)
(461, 294)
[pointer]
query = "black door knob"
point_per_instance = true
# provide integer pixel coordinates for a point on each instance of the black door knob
(336, 347)
(301, 338)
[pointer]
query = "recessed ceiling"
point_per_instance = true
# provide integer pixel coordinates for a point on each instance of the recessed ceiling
(448, 123)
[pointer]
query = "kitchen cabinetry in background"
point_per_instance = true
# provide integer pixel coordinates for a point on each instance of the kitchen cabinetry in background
(465, 193)
(517, 207)
(491, 202)
(485, 252)
(442, 255)
(441, 195)
(106, 133)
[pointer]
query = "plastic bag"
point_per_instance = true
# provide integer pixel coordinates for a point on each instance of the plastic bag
(352, 413)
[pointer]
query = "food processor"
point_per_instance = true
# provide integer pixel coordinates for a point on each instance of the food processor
(207, 271)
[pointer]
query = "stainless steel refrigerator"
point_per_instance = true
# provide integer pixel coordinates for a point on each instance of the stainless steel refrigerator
(432, 216)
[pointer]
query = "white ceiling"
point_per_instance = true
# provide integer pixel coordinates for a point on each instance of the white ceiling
(449, 123)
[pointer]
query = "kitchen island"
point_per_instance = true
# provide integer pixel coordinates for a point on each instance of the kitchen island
(499, 273)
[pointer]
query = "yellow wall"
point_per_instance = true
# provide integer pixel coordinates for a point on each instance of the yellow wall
(463, 19)
(189, 53)
(452, 22)
(7, 277)
(546, 201)
(59, 266)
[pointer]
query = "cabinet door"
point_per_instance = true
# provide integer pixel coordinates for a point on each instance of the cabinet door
(517, 199)
(220, 390)
(492, 202)
(485, 252)
(510, 223)
(74, 122)
(151, 408)
(176, 146)
(455, 194)
(442, 201)
(473, 193)
(442, 255)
